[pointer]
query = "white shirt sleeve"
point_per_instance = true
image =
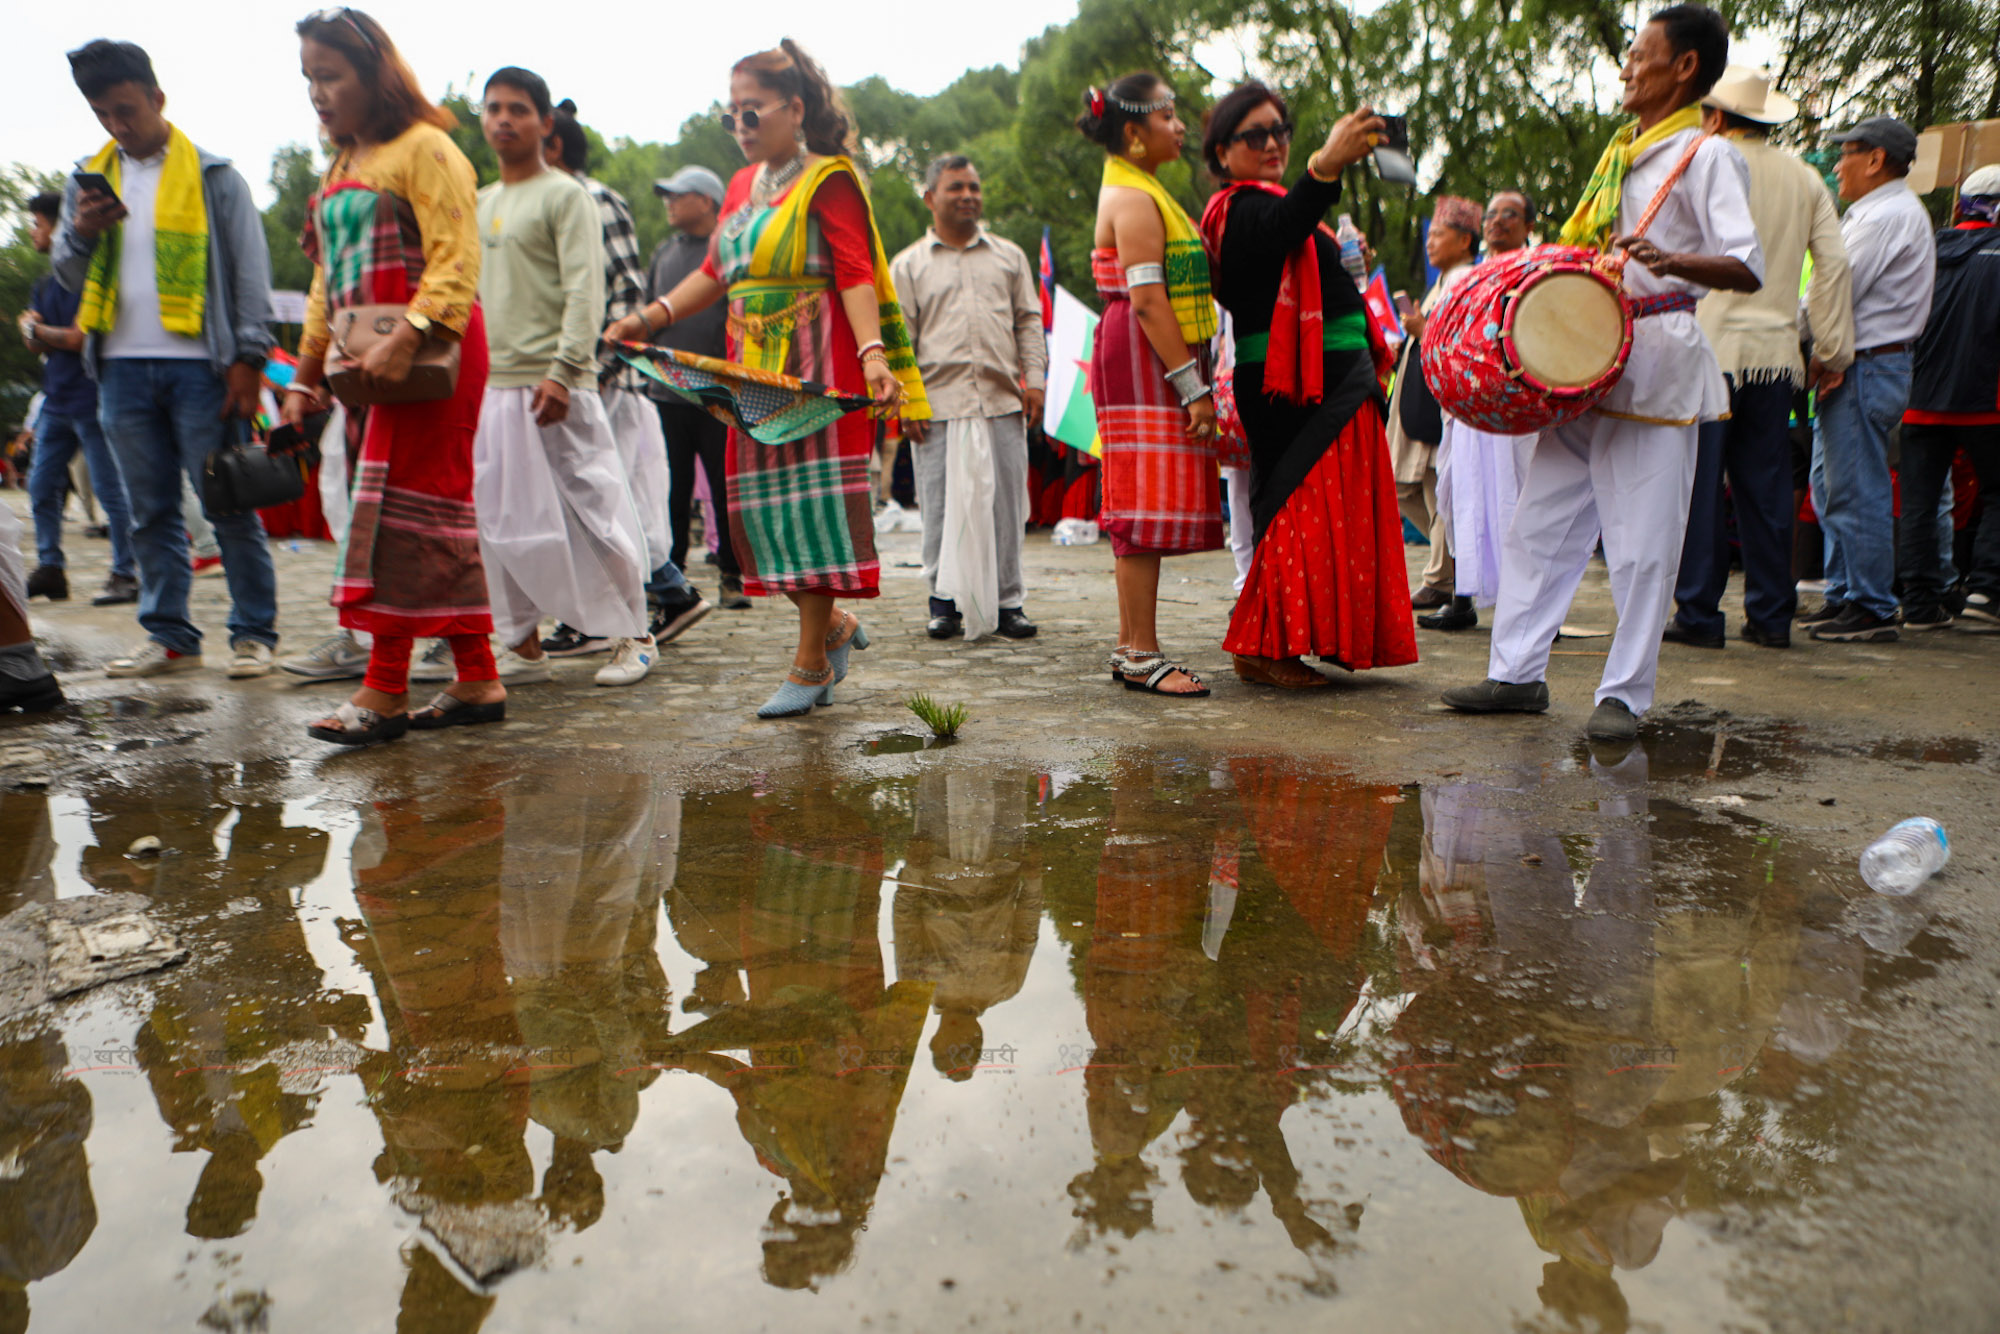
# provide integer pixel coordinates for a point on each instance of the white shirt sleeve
(1727, 228)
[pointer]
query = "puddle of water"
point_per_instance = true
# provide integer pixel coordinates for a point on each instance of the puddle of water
(952, 1048)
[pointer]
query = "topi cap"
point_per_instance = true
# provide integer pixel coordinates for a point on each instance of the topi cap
(1452, 211)
(1887, 133)
(691, 181)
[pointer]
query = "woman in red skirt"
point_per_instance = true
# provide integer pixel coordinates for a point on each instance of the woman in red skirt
(1327, 577)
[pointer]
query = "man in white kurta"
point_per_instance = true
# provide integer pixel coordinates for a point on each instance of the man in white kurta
(1626, 468)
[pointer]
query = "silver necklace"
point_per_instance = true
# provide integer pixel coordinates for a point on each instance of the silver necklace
(772, 182)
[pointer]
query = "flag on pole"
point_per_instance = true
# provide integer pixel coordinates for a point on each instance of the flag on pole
(1070, 414)
(1048, 283)
(1382, 308)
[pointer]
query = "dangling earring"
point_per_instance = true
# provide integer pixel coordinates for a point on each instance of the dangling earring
(1135, 150)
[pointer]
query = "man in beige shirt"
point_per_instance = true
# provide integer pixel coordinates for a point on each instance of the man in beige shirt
(976, 320)
(1756, 340)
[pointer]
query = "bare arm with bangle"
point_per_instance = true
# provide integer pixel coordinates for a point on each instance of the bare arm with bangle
(691, 295)
(1141, 240)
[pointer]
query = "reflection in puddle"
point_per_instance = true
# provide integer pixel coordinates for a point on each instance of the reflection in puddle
(1237, 1031)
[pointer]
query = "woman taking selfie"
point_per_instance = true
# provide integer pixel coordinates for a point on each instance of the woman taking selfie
(797, 257)
(394, 223)
(1327, 577)
(1149, 370)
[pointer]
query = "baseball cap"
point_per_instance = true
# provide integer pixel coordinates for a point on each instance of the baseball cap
(691, 181)
(1887, 133)
(1985, 181)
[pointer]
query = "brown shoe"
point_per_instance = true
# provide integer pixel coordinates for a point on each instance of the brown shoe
(1428, 597)
(1287, 673)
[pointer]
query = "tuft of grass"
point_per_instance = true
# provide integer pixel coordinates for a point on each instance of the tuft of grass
(942, 719)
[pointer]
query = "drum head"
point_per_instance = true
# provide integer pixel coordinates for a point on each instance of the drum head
(1568, 330)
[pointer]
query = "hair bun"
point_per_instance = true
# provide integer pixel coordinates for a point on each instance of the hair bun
(567, 105)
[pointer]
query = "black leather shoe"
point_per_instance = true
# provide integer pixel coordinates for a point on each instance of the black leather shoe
(1765, 638)
(1677, 633)
(1491, 696)
(1611, 721)
(1428, 597)
(949, 626)
(1460, 615)
(36, 696)
(49, 581)
(1014, 624)
(118, 590)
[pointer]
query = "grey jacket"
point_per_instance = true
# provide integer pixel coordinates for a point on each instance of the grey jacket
(236, 321)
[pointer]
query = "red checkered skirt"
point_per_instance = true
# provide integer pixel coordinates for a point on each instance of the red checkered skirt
(1162, 494)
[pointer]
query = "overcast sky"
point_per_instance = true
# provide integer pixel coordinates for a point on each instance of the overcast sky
(636, 70)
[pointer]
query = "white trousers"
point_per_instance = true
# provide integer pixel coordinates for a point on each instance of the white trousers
(1628, 479)
(1242, 528)
(642, 446)
(1479, 483)
(13, 566)
(557, 527)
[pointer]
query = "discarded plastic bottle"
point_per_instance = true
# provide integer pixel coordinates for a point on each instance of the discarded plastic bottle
(1909, 854)
(1350, 250)
(1074, 533)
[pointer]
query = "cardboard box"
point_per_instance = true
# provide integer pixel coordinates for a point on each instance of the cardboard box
(1947, 154)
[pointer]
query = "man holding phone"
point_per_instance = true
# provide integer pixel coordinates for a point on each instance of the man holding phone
(166, 252)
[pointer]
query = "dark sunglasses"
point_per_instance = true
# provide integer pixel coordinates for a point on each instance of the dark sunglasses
(1261, 136)
(748, 116)
(342, 14)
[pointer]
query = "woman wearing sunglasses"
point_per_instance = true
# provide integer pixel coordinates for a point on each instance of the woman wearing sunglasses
(797, 257)
(1149, 370)
(1326, 578)
(395, 222)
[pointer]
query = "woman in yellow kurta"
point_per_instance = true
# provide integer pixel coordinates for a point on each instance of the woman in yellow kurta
(395, 221)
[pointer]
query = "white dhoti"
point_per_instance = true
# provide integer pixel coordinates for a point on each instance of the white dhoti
(1630, 479)
(1479, 481)
(642, 447)
(13, 566)
(557, 527)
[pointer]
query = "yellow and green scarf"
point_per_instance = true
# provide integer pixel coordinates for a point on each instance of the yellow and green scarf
(1596, 218)
(180, 245)
(1186, 260)
(781, 254)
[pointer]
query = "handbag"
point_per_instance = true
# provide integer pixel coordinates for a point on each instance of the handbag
(354, 330)
(244, 476)
(1422, 418)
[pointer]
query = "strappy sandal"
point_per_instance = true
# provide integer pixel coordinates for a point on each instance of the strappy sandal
(1159, 670)
(360, 727)
(1118, 656)
(448, 710)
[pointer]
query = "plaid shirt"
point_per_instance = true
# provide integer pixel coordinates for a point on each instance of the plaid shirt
(624, 279)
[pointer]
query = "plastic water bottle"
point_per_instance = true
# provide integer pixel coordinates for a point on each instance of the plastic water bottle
(1074, 533)
(1909, 854)
(1350, 250)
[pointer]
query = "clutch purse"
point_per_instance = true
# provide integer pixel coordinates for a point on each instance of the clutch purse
(241, 477)
(356, 329)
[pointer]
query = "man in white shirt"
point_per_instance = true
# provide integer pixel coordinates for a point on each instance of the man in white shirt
(1626, 468)
(1894, 263)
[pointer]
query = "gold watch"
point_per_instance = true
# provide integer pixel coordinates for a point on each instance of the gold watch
(421, 323)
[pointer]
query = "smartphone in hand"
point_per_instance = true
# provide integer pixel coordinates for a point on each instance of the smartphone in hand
(97, 181)
(1392, 155)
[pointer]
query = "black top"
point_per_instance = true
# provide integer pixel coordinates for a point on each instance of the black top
(705, 332)
(1958, 355)
(1263, 230)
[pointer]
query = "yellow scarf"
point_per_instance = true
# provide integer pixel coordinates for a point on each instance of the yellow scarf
(180, 245)
(1596, 217)
(781, 253)
(1186, 259)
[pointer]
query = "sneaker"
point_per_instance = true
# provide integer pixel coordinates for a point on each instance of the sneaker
(1764, 638)
(570, 642)
(670, 621)
(1923, 616)
(153, 659)
(204, 566)
(436, 664)
(1828, 610)
(335, 658)
(631, 659)
(1612, 721)
(1980, 615)
(118, 590)
(248, 658)
(732, 597)
(1856, 625)
(516, 670)
(49, 581)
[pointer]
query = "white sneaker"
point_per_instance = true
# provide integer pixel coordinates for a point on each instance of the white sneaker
(436, 664)
(249, 657)
(152, 659)
(631, 659)
(516, 670)
(335, 658)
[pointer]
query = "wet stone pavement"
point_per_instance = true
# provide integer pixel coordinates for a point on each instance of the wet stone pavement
(1258, 1013)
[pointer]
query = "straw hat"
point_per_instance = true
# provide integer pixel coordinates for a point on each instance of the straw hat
(1745, 92)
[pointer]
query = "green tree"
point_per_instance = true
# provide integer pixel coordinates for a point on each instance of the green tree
(20, 267)
(294, 177)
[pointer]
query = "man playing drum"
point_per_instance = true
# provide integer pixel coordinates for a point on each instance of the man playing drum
(1626, 467)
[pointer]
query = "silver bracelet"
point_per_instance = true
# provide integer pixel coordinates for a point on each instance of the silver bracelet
(1186, 381)
(1146, 275)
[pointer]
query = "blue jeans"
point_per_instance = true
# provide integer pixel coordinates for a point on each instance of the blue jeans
(164, 418)
(668, 585)
(57, 438)
(1850, 481)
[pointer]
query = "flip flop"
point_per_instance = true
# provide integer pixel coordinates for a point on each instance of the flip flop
(361, 727)
(448, 710)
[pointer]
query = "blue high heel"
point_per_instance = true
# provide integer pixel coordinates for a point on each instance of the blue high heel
(838, 656)
(794, 698)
